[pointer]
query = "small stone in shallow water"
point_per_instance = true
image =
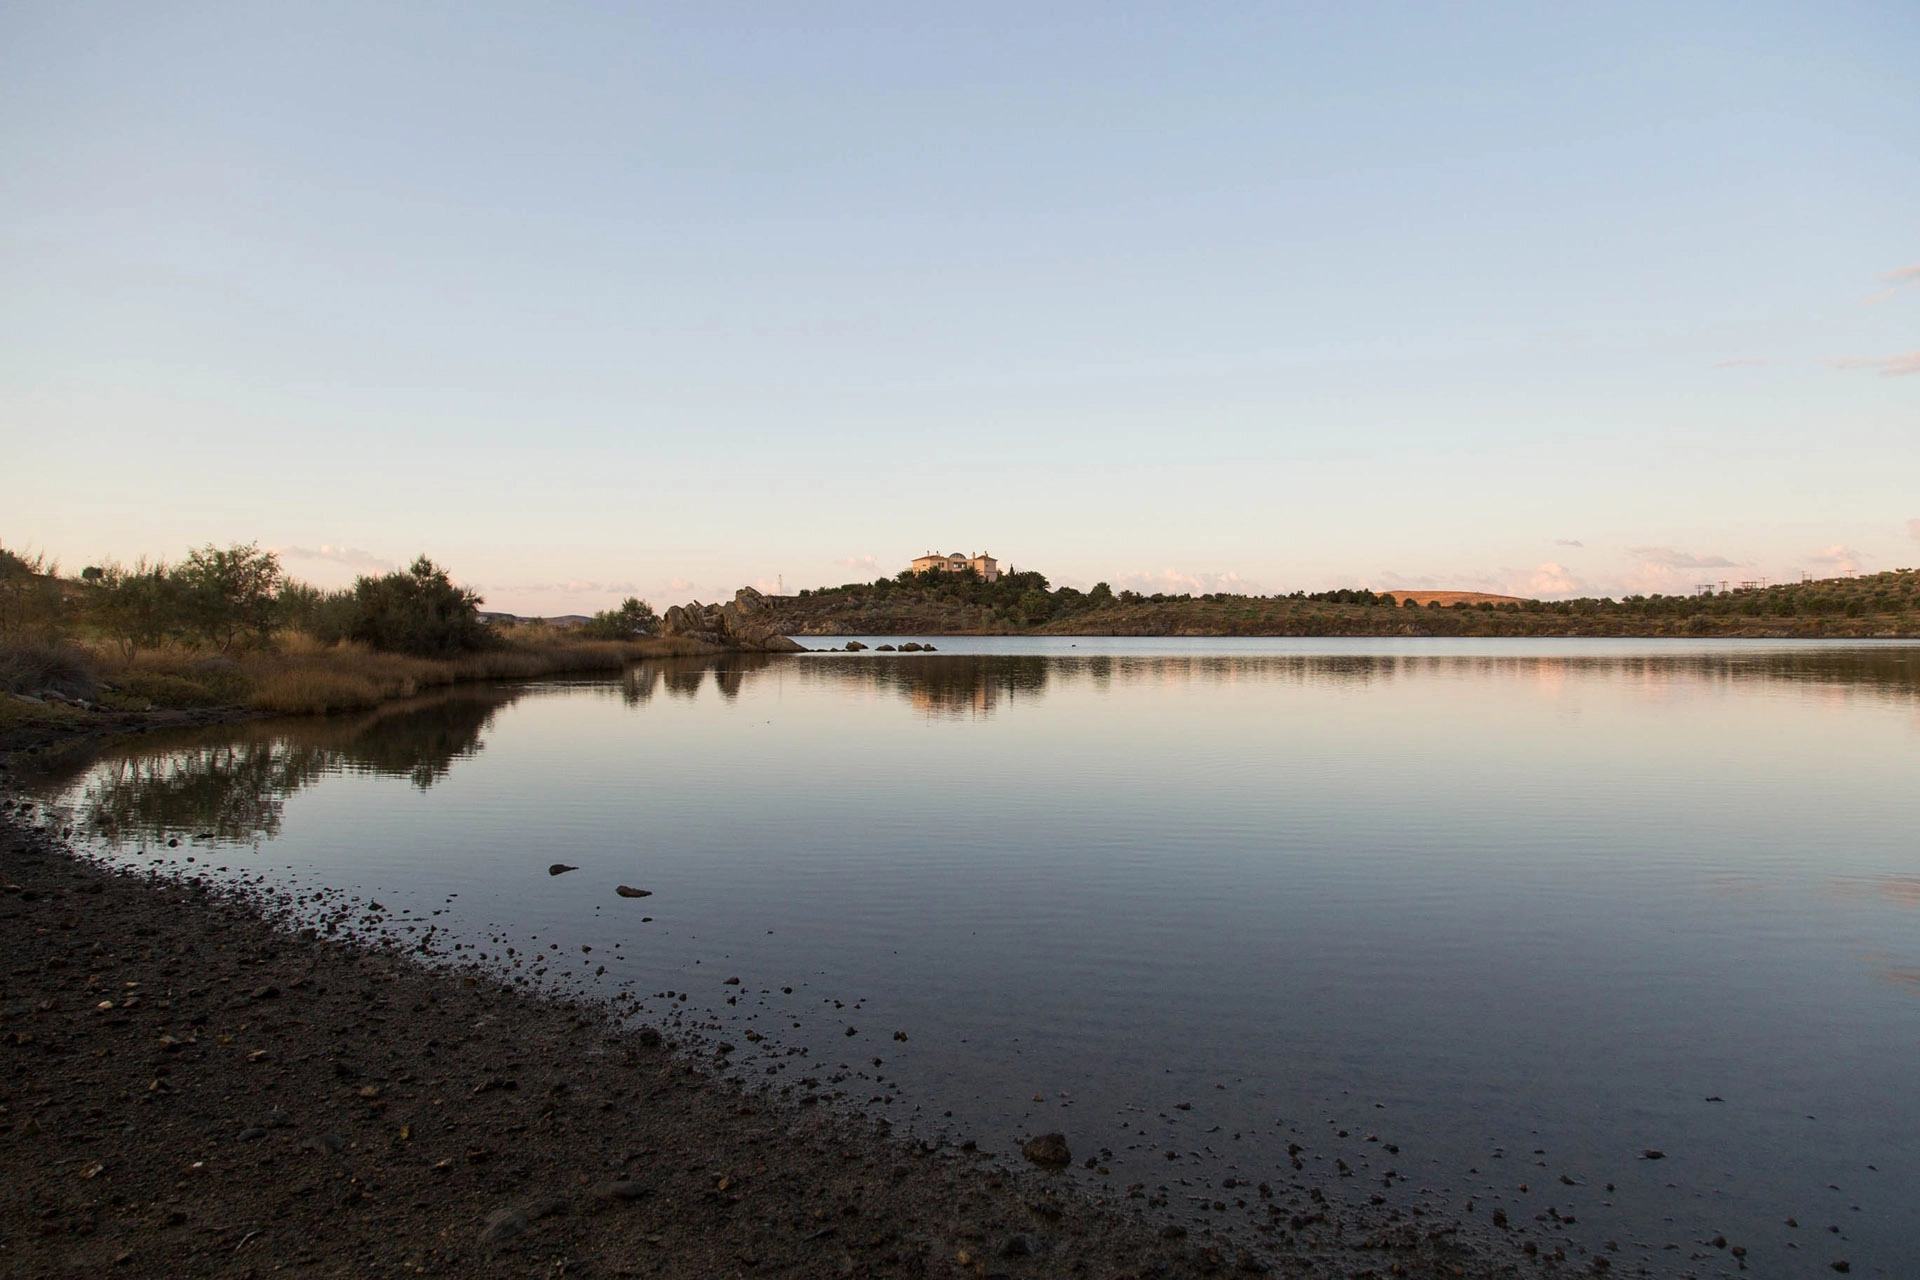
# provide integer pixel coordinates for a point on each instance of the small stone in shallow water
(560, 869)
(1048, 1150)
(628, 891)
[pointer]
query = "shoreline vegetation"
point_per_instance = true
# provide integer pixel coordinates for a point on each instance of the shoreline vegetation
(1882, 605)
(225, 633)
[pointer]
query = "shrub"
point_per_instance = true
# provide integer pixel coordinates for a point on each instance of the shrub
(47, 668)
(226, 594)
(139, 608)
(29, 598)
(418, 611)
(633, 617)
(162, 689)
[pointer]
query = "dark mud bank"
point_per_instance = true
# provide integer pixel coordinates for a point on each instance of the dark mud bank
(191, 1089)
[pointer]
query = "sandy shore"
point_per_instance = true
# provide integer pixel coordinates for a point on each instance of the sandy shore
(191, 1089)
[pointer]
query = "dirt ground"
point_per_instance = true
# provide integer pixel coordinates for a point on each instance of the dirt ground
(189, 1090)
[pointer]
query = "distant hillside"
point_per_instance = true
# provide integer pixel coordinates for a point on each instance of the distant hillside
(1884, 604)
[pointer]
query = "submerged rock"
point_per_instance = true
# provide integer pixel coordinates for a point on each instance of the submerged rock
(628, 891)
(560, 869)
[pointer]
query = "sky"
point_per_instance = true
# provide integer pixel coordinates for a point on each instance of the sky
(589, 300)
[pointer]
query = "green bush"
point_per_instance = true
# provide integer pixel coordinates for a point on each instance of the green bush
(139, 608)
(224, 595)
(633, 617)
(418, 611)
(161, 690)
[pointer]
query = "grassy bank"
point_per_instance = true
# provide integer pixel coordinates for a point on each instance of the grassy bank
(295, 676)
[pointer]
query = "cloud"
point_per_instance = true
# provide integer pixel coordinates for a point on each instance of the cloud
(679, 584)
(1744, 362)
(1913, 529)
(1668, 558)
(1837, 559)
(571, 587)
(1896, 280)
(1568, 542)
(1551, 579)
(1180, 581)
(351, 557)
(1888, 366)
(859, 562)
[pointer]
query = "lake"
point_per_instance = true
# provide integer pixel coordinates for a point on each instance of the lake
(1466, 925)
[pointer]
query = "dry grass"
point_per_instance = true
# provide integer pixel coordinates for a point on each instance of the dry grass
(299, 676)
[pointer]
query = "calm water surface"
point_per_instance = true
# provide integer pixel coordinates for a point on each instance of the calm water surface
(1522, 909)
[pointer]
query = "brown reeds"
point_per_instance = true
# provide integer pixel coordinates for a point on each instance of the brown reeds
(300, 676)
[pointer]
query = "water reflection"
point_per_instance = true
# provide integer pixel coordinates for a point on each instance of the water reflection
(232, 782)
(960, 686)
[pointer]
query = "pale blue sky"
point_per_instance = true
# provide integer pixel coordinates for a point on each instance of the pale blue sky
(676, 299)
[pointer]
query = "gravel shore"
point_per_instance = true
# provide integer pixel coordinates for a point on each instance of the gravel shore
(192, 1089)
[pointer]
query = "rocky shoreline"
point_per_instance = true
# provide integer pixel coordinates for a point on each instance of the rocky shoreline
(196, 1087)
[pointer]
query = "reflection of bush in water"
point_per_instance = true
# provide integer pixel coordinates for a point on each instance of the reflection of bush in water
(236, 791)
(235, 784)
(421, 743)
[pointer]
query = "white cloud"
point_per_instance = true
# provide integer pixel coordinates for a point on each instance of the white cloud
(1552, 579)
(679, 584)
(859, 562)
(1568, 542)
(1837, 559)
(1175, 582)
(1668, 558)
(1887, 366)
(1913, 529)
(351, 557)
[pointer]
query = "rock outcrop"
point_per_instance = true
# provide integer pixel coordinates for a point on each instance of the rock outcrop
(745, 622)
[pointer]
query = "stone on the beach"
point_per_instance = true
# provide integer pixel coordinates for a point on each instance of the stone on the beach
(1049, 1150)
(503, 1225)
(560, 869)
(620, 1189)
(628, 891)
(1651, 1154)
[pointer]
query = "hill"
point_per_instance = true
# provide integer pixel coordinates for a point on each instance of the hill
(1877, 605)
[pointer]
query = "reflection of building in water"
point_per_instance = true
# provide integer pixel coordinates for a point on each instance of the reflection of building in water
(983, 564)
